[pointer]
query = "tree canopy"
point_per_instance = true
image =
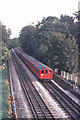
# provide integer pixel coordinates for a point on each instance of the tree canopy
(5, 41)
(53, 41)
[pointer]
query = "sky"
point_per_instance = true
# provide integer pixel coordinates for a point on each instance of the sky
(16, 14)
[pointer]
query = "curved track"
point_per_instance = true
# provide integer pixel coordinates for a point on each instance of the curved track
(37, 105)
(70, 107)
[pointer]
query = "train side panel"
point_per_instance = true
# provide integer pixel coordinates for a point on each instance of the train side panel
(41, 74)
(30, 65)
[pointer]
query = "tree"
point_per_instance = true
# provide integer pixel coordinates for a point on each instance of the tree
(26, 38)
(52, 41)
(78, 40)
(5, 43)
(70, 25)
(5, 34)
(13, 43)
(77, 18)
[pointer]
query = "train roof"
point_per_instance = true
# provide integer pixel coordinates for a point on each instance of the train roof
(38, 64)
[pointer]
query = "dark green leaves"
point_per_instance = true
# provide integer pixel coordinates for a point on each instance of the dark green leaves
(53, 41)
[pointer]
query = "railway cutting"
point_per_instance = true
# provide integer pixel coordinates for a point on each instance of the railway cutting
(35, 98)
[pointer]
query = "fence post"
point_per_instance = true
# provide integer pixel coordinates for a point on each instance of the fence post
(61, 73)
(76, 80)
(67, 76)
(64, 75)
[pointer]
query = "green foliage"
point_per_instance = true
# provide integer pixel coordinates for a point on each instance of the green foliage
(13, 43)
(5, 93)
(5, 35)
(53, 41)
(5, 54)
(27, 38)
(5, 44)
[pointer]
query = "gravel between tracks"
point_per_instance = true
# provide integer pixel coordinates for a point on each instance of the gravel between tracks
(67, 92)
(51, 104)
(22, 107)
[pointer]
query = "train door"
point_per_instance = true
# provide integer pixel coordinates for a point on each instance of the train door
(46, 74)
(50, 74)
(42, 74)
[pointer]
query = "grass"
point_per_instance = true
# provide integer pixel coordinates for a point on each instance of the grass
(5, 93)
(0, 94)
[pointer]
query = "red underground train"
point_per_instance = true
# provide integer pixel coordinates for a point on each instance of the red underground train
(39, 69)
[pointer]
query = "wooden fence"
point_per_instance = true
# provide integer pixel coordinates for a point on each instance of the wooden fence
(69, 76)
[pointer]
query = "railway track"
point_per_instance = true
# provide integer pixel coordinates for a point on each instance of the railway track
(37, 105)
(71, 108)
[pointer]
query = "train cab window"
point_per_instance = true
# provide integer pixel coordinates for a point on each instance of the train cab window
(49, 71)
(42, 71)
(46, 71)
